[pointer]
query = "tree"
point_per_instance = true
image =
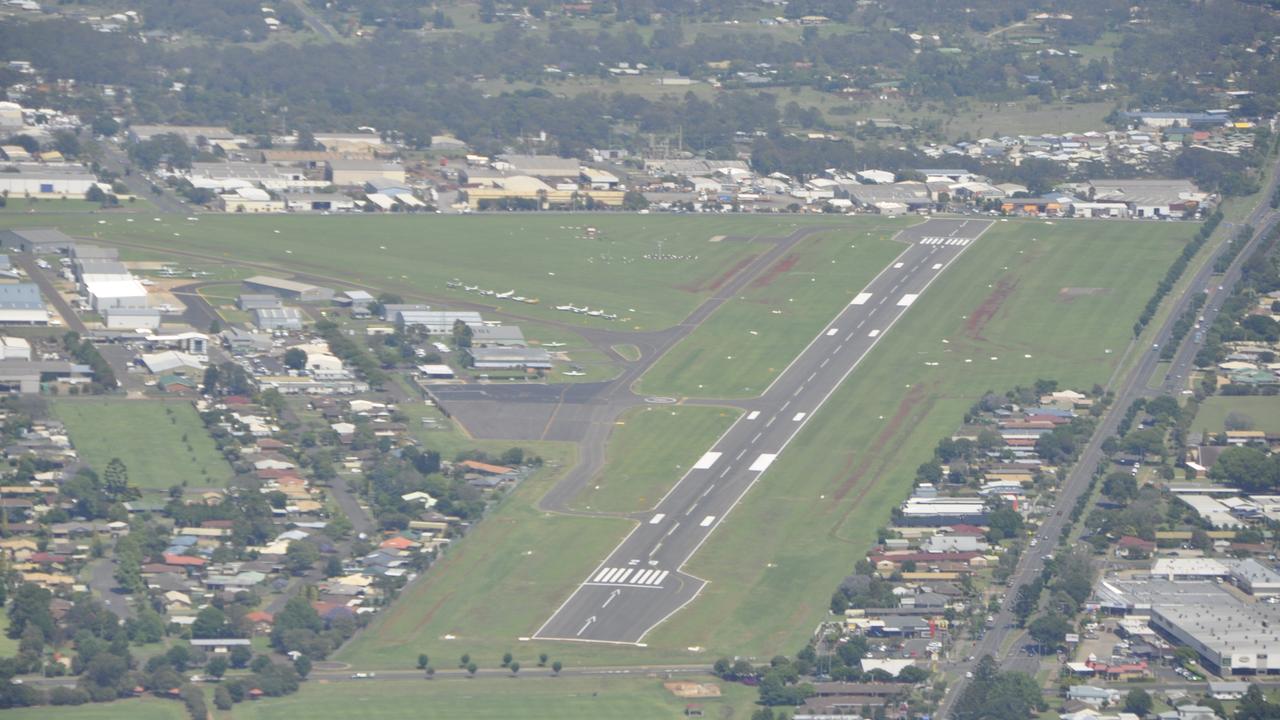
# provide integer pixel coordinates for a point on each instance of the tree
(1138, 702)
(1120, 486)
(423, 661)
(217, 666)
(295, 358)
(301, 556)
(542, 659)
(105, 126)
(30, 609)
(465, 660)
(302, 665)
(556, 667)
(506, 659)
(240, 656)
(1247, 468)
(1050, 630)
(115, 479)
(515, 668)
(471, 669)
(222, 698)
(634, 200)
(210, 623)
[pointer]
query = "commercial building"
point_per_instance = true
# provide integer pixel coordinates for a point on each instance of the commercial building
(38, 241)
(14, 348)
(497, 336)
(281, 318)
(21, 304)
(436, 322)
(291, 289)
(191, 134)
(130, 318)
(550, 167)
(46, 181)
(26, 376)
(115, 293)
(249, 200)
(506, 358)
(318, 202)
(941, 511)
(251, 301)
(355, 173)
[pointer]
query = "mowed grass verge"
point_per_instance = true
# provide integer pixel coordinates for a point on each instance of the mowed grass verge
(140, 709)
(748, 341)
(161, 443)
(1263, 411)
(1026, 301)
(563, 698)
(551, 257)
(650, 449)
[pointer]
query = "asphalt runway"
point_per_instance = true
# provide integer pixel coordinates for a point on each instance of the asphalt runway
(641, 582)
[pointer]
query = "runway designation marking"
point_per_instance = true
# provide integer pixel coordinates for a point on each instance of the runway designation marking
(798, 417)
(753, 414)
(861, 299)
(873, 333)
(832, 331)
(907, 299)
(763, 462)
(706, 461)
(706, 521)
(656, 519)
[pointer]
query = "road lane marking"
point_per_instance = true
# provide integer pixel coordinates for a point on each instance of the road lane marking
(906, 300)
(763, 462)
(873, 333)
(706, 461)
(832, 331)
(656, 519)
(707, 520)
(861, 298)
(753, 414)
(798, 417)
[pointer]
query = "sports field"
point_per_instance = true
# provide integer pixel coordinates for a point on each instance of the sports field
(1263, 411)
(161, 443)
(747, 342)
(564, 698)
(1064, 294)
(650, 449)
(551, 257)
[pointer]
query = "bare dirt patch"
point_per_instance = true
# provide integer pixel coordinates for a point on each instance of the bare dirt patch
(768, 276)
(979, 318)
(692, 689)
(891, 428)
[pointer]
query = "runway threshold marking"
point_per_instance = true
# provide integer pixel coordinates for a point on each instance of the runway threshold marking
(907, 299)
(763, 462)
(861, 299)
(706, 461)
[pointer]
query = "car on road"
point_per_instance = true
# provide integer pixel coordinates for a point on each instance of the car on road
(363, 676)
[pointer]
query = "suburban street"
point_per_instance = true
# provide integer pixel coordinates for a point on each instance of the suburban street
(1131, 388)
(642, 582)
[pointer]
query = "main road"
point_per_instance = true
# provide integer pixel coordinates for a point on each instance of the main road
(1132, 387)
(642, 581)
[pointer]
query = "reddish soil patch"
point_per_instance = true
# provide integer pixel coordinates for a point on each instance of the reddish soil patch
(723, 278)
(891, 428)
(783, 265)
(979, 318)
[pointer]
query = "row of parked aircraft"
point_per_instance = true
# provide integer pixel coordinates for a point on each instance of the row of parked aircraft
(586, 310)
(508, 295)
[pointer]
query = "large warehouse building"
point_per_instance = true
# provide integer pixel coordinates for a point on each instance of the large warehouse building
(290, 289)
(46, 181)
(21, 304)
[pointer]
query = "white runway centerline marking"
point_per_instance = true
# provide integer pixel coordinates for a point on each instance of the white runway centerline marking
(907, 299)
(861, 299)
(707, 520)
(706, 461)
(763, 462)
(798, 417)
(656, 519)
